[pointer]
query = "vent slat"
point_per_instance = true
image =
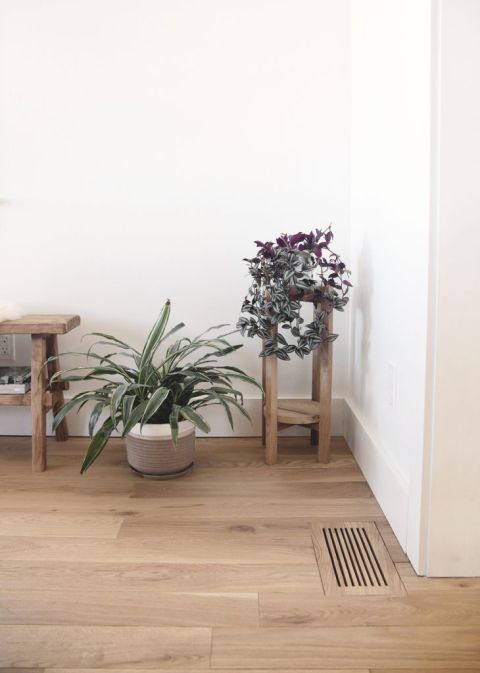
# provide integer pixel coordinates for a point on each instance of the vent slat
(346, 559)
(354, 552)
(352, 558)
(384, 579)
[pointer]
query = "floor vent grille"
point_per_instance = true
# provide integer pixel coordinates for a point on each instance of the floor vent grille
(352, 559)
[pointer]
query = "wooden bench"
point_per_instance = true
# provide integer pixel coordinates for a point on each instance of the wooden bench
(43, 330)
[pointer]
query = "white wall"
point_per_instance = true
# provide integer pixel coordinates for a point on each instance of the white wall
(453, 506)
(144, 144)
(390, 239)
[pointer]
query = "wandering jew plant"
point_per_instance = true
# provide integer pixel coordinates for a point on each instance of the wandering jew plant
(282, 274)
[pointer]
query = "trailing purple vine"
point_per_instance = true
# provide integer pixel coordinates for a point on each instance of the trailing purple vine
(283, 272)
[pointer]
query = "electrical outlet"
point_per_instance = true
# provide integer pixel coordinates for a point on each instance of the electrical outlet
(7, 347)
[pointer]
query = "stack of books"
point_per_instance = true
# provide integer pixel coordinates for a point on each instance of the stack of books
(14, 380)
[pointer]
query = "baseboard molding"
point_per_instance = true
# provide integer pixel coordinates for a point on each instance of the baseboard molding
(384, 476)
(16, 421)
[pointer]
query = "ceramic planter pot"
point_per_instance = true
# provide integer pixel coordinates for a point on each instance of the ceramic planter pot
(151, 453)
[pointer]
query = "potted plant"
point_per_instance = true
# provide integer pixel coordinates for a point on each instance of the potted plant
(155, 405)
(283, 272)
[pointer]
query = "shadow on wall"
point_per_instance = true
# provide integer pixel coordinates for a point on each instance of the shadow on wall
(361, 328)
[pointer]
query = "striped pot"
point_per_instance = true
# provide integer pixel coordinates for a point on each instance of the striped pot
(151, 453)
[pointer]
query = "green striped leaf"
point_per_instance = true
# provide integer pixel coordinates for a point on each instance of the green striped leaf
(154, 404)
(97, 445)
(134, 418)
(153, 341)
(190, 415)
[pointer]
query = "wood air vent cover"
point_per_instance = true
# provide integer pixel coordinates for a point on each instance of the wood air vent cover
(353, 560)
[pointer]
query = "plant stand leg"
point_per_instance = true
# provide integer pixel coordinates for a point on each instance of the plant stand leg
(271, 425)
(39, 439)
(264, 377)
(61, 433)
(323, 367)
(315, 431)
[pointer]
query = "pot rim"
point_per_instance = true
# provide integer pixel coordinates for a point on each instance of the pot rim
(161, 430)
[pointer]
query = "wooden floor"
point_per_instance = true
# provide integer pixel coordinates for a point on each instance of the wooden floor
(215, 570)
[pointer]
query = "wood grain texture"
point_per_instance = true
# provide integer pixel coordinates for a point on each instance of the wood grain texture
(94, 646)
(24, 400)
(56, 524)
(453, 608)
(110, 572)
(189, 670)
(193, 543)
(40, 324)
(254, 489)
(347, 647)
(124, 608)
(298, 412)
(322, 390)
(422, 670)
(248, 509)
(39, 440)
(415, 584)
(164, 577)
(21, 670)
(271, 405)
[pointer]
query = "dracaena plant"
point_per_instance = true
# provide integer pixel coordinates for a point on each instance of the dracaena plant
(282, 273)
(134, 388)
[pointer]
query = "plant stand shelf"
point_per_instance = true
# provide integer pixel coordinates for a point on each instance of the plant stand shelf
(315, 413)
(43, 330)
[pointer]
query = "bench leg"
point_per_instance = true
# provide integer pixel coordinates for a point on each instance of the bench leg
(39, 438)
(61, 433)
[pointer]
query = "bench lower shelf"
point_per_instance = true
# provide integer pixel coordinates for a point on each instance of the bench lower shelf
(24, 400)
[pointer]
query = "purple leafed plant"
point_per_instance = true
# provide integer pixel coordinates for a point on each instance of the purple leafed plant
(283, 272)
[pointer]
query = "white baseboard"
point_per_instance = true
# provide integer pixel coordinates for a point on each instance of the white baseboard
(16, 421)
(384, 476)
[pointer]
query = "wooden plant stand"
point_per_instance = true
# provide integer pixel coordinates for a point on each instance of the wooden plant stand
(43, 330)
(314, 414)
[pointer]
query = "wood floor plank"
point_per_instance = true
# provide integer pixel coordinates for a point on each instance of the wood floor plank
(392, 544)
(56, 524)
(416, 583)
(429, 584)
(167, 577)
(93, 646)
(190, 670)
(405, 569)
(127, 608)
(453, 608)
(366, 509)
(289, 490)
(368, 647)
(422, 670)
(188, 542)
(21, 670)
